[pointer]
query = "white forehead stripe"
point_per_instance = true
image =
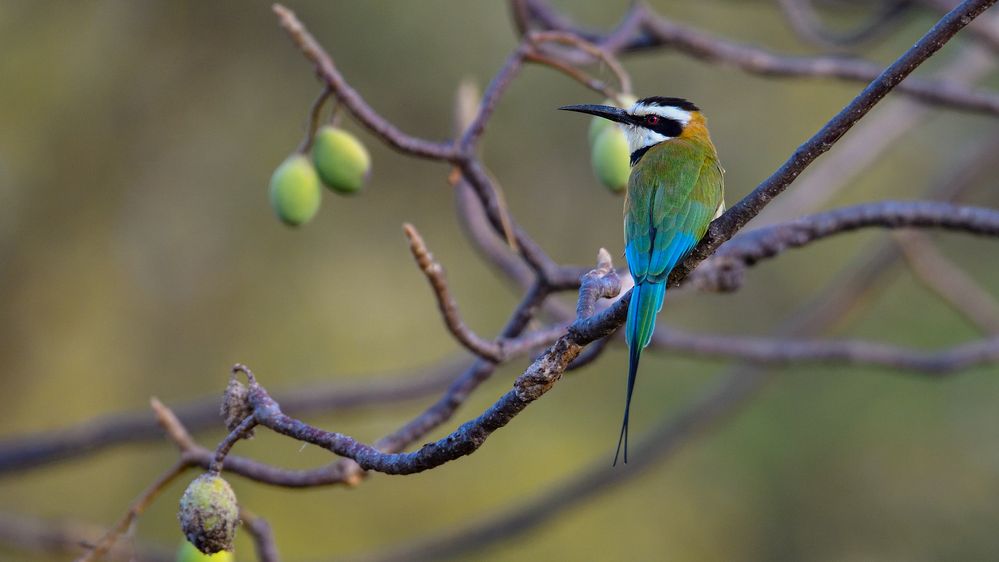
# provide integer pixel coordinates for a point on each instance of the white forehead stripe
(666, 111)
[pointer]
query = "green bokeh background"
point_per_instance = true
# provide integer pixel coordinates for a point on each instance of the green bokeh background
(139, 257)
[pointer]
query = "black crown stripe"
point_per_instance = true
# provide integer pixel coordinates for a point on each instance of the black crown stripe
(669, 102)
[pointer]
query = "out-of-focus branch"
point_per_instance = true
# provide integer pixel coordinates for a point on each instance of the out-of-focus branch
(24, 452)
(66, 538)
(263, 536)
(658, 32)
(950, 282)
(807, 24)
(543, 38)
(987, 34)
(134, 511)
(777, 351)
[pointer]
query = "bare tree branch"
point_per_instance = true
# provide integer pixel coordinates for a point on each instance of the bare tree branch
(949, 281)
(530, 386)
(27, 451)
(776, 351)
(987, 34)
(134, 511)
(490, 350)
(66, 538)
(263, 536)
(807, 24)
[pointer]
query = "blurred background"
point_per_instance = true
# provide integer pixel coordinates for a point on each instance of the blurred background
(139, 257)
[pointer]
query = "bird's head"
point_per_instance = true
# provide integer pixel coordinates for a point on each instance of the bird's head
(649, 122)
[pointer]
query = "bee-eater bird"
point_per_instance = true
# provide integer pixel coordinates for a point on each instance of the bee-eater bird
(675, 190)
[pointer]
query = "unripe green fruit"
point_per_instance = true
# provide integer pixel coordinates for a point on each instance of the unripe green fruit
(295, 192)
(188, 553)
(209, 514)
(611, 159)
(341, 160)
(599, 124)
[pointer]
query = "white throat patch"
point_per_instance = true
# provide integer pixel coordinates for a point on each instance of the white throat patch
(641, 137)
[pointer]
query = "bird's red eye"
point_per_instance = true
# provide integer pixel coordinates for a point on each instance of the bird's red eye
(652, 119)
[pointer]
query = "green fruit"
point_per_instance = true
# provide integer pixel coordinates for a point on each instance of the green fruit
(611, 159)
(295, 192)
(209, 514)
(188, 553)
(341, 160)
(599, 124)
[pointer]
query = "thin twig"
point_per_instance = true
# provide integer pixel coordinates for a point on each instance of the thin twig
(315, 114)
(572, 72)
(223, 448)
(623, 78)
(352, 100)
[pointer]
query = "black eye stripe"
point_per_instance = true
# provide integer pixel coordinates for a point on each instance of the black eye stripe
(665, 126)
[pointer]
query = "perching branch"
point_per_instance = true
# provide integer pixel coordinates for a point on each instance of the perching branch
(722, 400)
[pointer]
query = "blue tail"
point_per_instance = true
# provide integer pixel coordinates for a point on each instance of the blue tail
(646, 302)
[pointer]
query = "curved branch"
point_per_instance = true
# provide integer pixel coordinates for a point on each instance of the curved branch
(772, 351)
(490, 350)
(352, 100)
(807, 24)
(942, 276)
(263, 536)
(59, 537)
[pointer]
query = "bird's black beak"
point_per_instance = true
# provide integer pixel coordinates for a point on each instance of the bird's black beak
(607, 112)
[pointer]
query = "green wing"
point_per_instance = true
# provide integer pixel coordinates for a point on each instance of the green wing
(673, 193)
